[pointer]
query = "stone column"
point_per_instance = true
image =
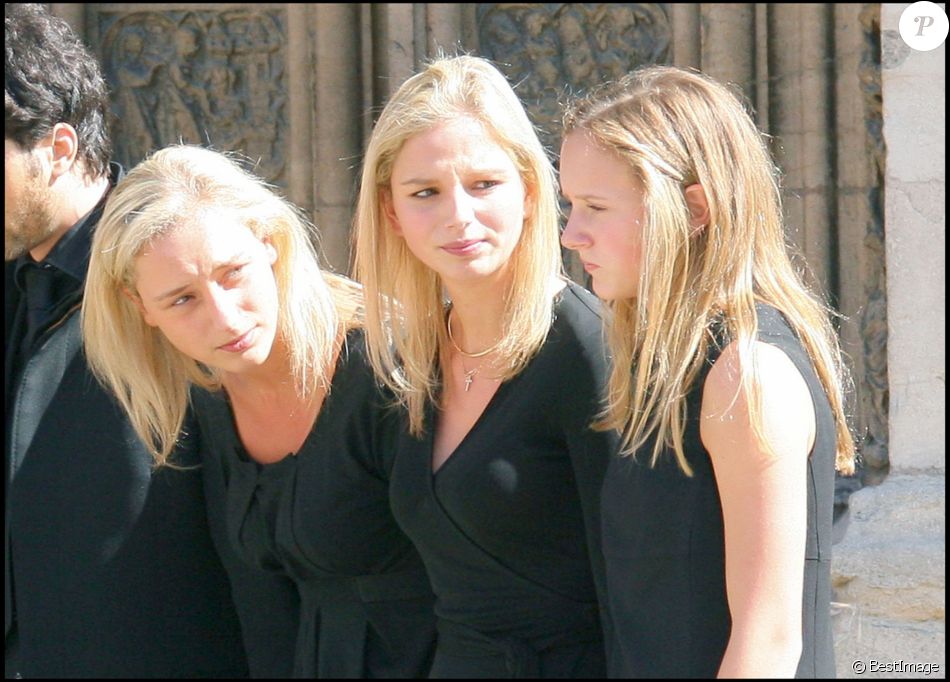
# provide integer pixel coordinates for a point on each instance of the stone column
(687, 37)
(728, 43)
(889, 570)
(800, 117)
(338, 98)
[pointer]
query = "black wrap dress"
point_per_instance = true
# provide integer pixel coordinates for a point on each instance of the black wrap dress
(508, 525)
(321, 520)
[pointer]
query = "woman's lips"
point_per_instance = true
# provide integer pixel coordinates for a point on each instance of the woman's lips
(463, 247)
(241, 343)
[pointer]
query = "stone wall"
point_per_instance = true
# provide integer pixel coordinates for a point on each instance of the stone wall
(889, 571)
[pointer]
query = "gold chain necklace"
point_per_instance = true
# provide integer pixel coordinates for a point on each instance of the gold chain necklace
(480, 354)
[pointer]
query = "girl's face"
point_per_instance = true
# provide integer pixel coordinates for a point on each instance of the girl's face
(209, 287)
(607, 216)
(457, 199)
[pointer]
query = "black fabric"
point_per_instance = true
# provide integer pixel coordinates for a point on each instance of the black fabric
(109, 568)
(268, 603)
(509, 525)
(38, 285)
(46, 291)
(320, 521)
(665, 551)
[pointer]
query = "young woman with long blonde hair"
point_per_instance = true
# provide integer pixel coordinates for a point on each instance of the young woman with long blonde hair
(204, 288)
(726, 386)
(496, 477)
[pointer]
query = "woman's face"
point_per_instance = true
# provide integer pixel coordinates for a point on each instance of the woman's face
(457, 199)
(209, 287)
(607, 216)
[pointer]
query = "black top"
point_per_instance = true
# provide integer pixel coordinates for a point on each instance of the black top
(507, 527)
(321, 518)
(109, 568)
(665, 549)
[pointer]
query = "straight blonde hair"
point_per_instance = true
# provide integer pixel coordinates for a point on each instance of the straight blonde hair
(170, 189)
(676, 128)
(405, 320)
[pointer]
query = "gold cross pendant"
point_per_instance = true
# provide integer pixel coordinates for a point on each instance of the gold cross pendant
(469, 377)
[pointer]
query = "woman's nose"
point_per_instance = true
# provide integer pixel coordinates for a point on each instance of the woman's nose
(573, 236)
(461, 207)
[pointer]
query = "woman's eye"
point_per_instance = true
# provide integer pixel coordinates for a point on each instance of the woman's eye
(424, 193)
(181, 300)
(487, 184)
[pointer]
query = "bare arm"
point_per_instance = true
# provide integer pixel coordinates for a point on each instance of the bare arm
(764, 506)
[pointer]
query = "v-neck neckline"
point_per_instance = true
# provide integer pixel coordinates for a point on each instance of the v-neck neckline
(335, 381)
(478, 425)
(503, 389)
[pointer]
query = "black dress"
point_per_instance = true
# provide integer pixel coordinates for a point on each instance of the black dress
(665, 548)
(322, 519)
(507, 527)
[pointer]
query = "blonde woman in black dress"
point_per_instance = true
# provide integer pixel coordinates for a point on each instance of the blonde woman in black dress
(204, 287)
(726, 386)
(497, 476)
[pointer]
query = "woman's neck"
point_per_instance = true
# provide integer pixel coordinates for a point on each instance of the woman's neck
(477, 317)
(273, 379)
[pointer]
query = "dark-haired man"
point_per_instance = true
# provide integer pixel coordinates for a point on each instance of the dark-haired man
(109, 567)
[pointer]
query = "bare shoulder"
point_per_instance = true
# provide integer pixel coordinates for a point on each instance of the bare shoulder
(787, 411)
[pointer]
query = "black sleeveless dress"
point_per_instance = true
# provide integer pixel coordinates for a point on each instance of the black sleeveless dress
(508, 526)
(321, 522)
(665, 550)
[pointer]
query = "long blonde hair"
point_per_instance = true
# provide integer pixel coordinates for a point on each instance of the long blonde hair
(404, 302)
(168, 190)
(676, 128)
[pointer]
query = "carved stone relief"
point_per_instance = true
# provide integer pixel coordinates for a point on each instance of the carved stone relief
(873, 321)
(547, 49)
(208, 77)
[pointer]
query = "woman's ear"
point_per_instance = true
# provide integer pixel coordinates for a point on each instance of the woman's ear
(528, 202)
(270, 250)
(386, 202)
(698, 207)
(134, 297)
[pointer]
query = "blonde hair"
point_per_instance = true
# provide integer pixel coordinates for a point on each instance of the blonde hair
(676, 128)
(405, 324)
(168, 190)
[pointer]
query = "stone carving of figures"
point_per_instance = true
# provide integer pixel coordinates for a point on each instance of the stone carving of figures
(503, 38)
(630, 35)
(542, 48)
(224, 100)
(173, 117)
(257, 40)
(186, 74)
(576, 55)
(614, 38)
(133, 100)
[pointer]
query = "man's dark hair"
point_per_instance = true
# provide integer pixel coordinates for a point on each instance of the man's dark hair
(51, 77)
